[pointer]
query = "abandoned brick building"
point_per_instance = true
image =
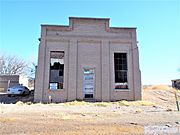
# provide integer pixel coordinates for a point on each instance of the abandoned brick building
(87, 60)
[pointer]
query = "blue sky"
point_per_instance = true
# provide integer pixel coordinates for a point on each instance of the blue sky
(157, 22)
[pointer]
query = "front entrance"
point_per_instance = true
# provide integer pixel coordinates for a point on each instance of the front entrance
(88, 83)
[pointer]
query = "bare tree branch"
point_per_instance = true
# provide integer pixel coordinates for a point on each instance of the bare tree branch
(12, 65)
(32, 70)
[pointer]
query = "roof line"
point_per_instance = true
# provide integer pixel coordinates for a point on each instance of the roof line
(89, 18)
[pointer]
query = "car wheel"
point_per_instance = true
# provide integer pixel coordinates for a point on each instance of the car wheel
(26, 93)
(32, 92)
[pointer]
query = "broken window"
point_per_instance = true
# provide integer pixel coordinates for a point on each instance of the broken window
(56, 80)
(120, 69)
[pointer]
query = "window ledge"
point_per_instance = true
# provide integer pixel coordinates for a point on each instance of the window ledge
(56, 90)
(117, 90)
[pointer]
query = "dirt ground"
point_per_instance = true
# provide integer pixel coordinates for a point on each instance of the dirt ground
(155, 114)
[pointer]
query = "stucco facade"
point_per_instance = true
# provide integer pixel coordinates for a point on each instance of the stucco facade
(87, 51)
(8, 81)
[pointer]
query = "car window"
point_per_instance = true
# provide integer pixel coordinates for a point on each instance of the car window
(17, 86)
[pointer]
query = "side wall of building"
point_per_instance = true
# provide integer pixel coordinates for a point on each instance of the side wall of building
(8, 81)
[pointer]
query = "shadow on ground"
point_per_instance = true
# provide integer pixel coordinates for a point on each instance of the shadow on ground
(13, 99)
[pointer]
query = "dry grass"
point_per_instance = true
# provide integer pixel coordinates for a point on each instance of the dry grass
(105, 104)
(67, 117)
(158, 87)
(7, 120)
(20, 103)
(75, 103)
(136, 103)
(100, 104)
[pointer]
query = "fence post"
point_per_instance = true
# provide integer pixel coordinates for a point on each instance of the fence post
(177, 103)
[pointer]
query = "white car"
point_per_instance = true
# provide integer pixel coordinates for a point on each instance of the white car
(18, 90)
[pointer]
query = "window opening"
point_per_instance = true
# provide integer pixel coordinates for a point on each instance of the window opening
(56, 70)
(120, 69)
